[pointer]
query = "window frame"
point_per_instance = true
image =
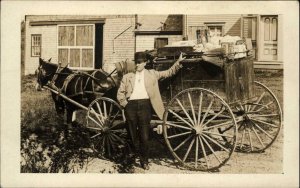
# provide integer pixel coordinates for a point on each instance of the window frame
(215, 24)
(40, 46)
(77, 47)
(254, 32)
(159, 38)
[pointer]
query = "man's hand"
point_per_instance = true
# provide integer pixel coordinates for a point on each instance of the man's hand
(180, 57)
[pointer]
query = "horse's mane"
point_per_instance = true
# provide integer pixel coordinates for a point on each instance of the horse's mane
(54, 66)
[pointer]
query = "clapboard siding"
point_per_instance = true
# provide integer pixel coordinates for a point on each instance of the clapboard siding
(155, 22)
(232, 22)
(118, 41)
(146, 42)
(48, 49)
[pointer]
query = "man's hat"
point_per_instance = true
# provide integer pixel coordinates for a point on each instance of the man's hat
(140, 57)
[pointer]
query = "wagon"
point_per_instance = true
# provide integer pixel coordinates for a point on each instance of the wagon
(213, 107)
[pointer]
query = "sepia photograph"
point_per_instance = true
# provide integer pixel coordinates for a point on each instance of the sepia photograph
(165, 93)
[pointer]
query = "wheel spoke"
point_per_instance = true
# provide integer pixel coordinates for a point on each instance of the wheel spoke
(96, 114)
(214, 141)
(178, 126)
(117, 137)
(181, 134)
(211, 149)
(100, 111)
(258, 137)
(214, 117)
(264, 115)
(103, 142)
(199, 109)
(258, 100)
(243, 136)
(96, 135)
(108, 144)
(113, 119)
(196, 153)
(262, 130)
(217, 134)
(207, 110)
(272, 125)
(95, 121)
(110, 110)
(250, 139)
(192, 107)
(204, 152)
(182, 143)
(264, 106)
(218, 125)
(189, 149)
(94, 128)
(221, 115)
(184, 110)
(171, 111)
(223, 131)
(104, 108)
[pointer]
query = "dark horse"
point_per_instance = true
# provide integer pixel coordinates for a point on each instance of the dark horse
(82, 87)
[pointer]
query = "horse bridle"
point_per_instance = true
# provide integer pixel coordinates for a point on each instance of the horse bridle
(40, 72)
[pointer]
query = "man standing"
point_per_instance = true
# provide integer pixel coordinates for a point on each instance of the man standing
(138, 93)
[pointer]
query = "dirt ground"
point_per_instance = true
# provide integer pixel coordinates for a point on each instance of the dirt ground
(161, 161)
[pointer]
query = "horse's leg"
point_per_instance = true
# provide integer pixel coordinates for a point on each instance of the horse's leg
(59, 107)
(74, 116)
(69, 115)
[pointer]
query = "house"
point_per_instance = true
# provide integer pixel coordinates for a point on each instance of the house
(82, 42)
(265, 32)
(98, 41)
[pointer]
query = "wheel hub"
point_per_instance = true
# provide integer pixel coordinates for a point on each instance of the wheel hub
(198, 130)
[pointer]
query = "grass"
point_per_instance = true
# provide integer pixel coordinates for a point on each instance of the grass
(48, 146)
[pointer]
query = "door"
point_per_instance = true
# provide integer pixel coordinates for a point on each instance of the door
(269, 42)
(98, 46)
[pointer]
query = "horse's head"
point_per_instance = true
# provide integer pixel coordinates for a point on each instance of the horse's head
(44, 72)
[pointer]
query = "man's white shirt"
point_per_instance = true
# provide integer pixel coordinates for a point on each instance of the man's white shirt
(139, 90)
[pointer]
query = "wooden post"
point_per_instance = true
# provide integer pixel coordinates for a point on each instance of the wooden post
(239, 79)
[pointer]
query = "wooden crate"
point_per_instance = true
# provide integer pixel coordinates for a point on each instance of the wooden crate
(239, 79)
(173, 51)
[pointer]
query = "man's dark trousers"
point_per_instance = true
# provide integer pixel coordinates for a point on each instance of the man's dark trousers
(138, 115)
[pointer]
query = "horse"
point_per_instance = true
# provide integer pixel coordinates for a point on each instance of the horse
(82, 87)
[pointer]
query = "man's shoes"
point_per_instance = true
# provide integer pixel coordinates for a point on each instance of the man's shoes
(131, 158)
(145, 166)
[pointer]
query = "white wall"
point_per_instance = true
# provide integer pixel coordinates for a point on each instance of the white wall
(49, 45)
(146, 42)
(121, 48)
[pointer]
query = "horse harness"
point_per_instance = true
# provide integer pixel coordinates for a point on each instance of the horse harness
(70, 77)
(77, 77)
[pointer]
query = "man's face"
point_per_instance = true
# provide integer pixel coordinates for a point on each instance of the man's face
(140, 66)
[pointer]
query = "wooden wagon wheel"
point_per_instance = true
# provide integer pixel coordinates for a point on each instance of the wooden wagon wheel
(107, 124)
(259, 121)
(191, 122)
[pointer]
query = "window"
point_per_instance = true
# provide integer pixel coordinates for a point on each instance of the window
(249, 27)
(215, 31)
(76, 46)
(36, 43)
(201, 36)
(194, 31)
(160, 42)
(215, 28)
(249, 30)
